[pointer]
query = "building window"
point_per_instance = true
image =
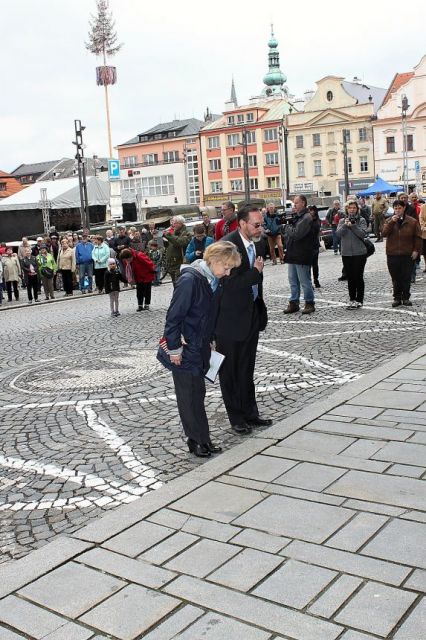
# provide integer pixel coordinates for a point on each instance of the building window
(330, 137)
(152, 186)
(349, 165)
(329, 96)
(363, 164)
(346, 135)
(130, 161)
(250, 137)
(271, 134)
(213, 142)
(2, 186)
(390, 144)
(235, 163)
(300, 169)
(362, 134)
(250, 117)
(252, 161)
(233, 139)
(317, 168)
(273, 182)
(231, 120)
(271, 159)
(236, 185)
(410, 142)
(316, 140)
(171, 156)
(216, 187)
(215, 165)
(150, 158)
(240, 117)
(254, 184)
(332, 167)
(299, 142)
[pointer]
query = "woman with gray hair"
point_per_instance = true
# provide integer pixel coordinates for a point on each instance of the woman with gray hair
(351, 231)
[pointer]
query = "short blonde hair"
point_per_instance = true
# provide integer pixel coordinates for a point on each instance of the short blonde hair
(224, 252)
(352, 201)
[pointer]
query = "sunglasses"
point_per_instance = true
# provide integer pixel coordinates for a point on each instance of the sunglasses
(256, 225)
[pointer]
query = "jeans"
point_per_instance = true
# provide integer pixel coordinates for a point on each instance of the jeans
(83, 271)
(299, 275)
(336, 240)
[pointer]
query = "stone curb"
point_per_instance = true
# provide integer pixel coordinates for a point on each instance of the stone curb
(16, 573)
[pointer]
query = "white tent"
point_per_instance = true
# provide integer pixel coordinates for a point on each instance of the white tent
(61, 194)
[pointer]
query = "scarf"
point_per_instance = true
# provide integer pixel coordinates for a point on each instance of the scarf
(228, 224)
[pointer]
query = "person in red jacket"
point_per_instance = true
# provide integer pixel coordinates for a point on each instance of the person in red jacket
(228, 223)
(139, 270)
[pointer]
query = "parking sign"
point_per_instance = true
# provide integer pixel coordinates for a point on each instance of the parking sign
(114, 169)
(417, 165)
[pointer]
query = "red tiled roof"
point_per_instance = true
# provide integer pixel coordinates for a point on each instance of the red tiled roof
(398, 81)
(12, 185)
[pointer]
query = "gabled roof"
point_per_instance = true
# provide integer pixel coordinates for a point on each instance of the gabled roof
(362, 93)
(398, 81)
(35, 167)
(183, 128)
(272, 110)
(66, 168)
(12, 185)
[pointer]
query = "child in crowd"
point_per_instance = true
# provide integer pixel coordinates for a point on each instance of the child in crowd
(156, 255)
(112, 285)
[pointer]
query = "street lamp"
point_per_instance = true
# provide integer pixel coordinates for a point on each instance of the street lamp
(81, 169)
(285, 173)
(404, 108)
(346, 134)
(246, 167)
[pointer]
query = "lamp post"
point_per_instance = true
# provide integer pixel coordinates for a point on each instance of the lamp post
(404, 108)
(246, 167)
(345, 134)
(285, 174)
(81, 169)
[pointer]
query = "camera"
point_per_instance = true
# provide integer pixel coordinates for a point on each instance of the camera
(352, 219)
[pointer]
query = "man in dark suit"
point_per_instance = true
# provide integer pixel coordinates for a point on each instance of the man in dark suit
(242, 314)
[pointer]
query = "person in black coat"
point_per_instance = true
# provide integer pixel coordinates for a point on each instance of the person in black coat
(185, 347)
(112, 279)
(242, 314)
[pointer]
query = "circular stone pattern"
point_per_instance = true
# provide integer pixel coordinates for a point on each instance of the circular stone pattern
(89, 372)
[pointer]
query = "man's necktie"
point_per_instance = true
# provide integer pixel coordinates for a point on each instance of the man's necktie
(251, 252)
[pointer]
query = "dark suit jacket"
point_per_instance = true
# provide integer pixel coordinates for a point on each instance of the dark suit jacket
(237, 307)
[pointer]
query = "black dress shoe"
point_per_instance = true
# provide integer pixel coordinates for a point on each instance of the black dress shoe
(213, 448)
(199, 450)
(259, 422)
(242, 428)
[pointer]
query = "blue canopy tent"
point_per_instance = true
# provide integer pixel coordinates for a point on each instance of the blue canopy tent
(380, 186)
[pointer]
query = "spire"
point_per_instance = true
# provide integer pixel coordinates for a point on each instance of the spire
(275, 78)
(233, 94)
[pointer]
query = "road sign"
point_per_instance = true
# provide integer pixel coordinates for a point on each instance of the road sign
(417, 165)
(114, 169)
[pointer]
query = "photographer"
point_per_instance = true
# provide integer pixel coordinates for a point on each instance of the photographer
(272, 223)
(351, 231)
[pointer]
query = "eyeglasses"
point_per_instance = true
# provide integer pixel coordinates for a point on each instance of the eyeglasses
(256, 225)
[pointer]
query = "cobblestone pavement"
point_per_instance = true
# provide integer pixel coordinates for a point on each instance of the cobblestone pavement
(87, 417)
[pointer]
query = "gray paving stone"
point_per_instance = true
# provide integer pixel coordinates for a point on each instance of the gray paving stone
(216, 627)
(363, 448)
(127, 568)
(376, 608)
(295, 584)
(209, 529)
(70, 631)
(393, 490)
(314, 477)
(356, 533)
(403, 452)
(355, 412)
(341, 460)
(318, 442)
(359, 430)
(413, 628)
(417, 516)
(6, 634)
(405, 470)
(355, 635)
(261, 467)
(413, 386)
(295, 518)
(328, 603)
(28, 618)
(400, 541)
(218, 502)
(138, 538)
(176, 623)
(419, 437)
(61, 589)
(409, 374)
(402, 416)
(169, 518)
(130, 612)
(374, 507)
(246, 569)
(168, 548)
(260, 540)
(389, 399)
(417, 581)
(203, 558)
(252, 610)
(346, 562)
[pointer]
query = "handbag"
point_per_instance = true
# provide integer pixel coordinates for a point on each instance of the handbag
(369, 246)
(47, 272)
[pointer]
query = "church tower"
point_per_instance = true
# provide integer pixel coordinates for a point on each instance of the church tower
(275, 79)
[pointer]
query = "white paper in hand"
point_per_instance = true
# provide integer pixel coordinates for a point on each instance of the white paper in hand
(216, 360)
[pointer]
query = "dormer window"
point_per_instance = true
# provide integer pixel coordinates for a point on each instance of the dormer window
(250, 117)
(240, 117)
(231, 120)
(329, 96)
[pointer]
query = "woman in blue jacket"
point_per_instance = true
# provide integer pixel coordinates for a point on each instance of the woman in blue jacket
(186, 344)
(197, 246)
(100, 257)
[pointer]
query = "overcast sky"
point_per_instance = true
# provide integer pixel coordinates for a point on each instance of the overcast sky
(178, 58)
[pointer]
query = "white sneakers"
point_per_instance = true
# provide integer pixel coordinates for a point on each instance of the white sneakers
(353, 304)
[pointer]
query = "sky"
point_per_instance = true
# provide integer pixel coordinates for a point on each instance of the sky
(178, 58)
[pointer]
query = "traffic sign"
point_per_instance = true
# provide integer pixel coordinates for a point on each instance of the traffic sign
(417, 165)
(114, 169)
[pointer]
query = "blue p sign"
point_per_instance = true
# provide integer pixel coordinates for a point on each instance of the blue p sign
(114, 169)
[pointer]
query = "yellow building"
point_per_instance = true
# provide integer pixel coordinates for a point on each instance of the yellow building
(315, 138)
